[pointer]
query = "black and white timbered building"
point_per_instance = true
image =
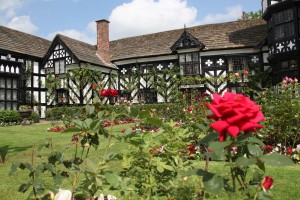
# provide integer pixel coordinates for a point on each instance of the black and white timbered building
(22, 77)
(145, 68)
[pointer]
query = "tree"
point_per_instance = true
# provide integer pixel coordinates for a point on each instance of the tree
(251, 15)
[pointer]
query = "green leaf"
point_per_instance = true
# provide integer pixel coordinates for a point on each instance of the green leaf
(218, 151)
(88, 123)
(254, 140)
(168, 167)
(100, 114)
(144, 114)
(245, 162)
(77, 123)
(91, 167)
(14, 167)
(24, 187)
(210, 137)
(160, 169)
(90, 109)
(112, 179)
(50, 167)
(154, 121)
(204, 127)
(95, 125)
(276, 159)
(71, 129)
(213, 184)
(134, 112)
(254, 150)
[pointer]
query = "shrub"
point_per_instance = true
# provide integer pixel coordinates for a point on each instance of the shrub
(63, 113)
(282, 109)
(9, 116)
(34, 117)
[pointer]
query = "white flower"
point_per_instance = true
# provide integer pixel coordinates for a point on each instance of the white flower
(63, 195)
(101, 197)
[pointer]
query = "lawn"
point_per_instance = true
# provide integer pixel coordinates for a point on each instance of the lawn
(20, 140)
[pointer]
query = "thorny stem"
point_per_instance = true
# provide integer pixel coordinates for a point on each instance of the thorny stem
(33, 175)
(232, 172)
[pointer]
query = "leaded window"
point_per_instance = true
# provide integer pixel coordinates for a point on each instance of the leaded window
(8, 93)
(237, 64)
(189, 63)
(284, 24)
(59, 66)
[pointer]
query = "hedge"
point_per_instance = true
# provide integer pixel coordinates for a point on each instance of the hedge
(8, 116)
(161, 110)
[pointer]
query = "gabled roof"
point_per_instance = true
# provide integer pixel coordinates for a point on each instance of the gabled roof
(238, 34)
(185, 41)
(23, 43)
(83, 51)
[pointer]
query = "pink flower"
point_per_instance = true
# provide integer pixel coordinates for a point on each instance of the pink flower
(234, 113)
(291, 80)
(183, 110)
(246, 72)
(296, 80)
(236, 74)
(95, 85)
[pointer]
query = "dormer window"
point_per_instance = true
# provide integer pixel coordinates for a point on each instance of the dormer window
(59, 66)
(189, 63)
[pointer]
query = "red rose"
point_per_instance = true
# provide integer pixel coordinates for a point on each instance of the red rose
(246, 72)
(234, 113)
(112, 93)
(289, 151)
(267, 183)
(104, 93)
(269, 148)
(190, 108)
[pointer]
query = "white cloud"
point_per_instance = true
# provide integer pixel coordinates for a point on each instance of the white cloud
(9, 7)
(231, 14)
(75, 34)
(22, 23)
(148, 16)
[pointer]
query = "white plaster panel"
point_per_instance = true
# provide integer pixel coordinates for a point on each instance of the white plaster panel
(43, 112)
(36, 96)
(43, 97)
(265, 57)
(35, 81)
(160, 98)
(35, 67)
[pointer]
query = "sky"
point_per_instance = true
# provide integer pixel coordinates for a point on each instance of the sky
(76, 18)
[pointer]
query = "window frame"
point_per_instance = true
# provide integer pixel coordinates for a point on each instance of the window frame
(231, 67)
(283, 23)
(61, 66)
(192, 64)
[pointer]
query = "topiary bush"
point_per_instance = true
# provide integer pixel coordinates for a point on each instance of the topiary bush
(9, 116)
(34, 117)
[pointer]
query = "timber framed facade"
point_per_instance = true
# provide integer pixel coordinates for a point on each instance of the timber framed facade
(147, 68)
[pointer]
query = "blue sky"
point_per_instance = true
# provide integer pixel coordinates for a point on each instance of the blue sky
(76, 18)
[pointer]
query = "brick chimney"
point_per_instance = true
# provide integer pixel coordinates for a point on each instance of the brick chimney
(103, 39)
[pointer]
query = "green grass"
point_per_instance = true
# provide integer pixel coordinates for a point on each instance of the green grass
(18, 141)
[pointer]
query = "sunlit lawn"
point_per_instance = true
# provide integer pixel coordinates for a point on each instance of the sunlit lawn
(20, 140)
